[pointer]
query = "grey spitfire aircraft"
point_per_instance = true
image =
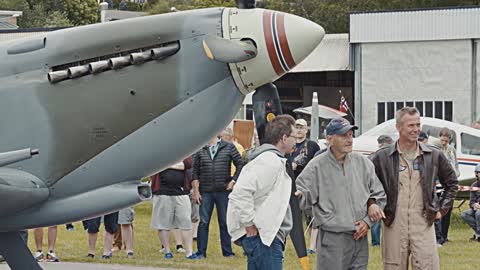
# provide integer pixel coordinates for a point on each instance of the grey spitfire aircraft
(108, 104)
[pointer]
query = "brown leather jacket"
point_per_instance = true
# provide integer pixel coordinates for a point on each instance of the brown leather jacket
(432, 163)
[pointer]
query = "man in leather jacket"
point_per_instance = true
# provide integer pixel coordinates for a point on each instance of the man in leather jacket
(407, 170)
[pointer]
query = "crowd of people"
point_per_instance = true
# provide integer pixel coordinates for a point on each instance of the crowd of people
(343, 194)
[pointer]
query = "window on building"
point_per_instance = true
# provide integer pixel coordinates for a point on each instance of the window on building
(419, 106)
(438, 109)
(448, 111)
(380, 112)
(390, 110)
(428, 109)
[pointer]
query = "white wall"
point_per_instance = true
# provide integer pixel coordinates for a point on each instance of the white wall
(416, 71)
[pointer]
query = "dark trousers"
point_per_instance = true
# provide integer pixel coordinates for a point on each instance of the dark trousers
(262, 257)
(438, 231)
(209, 200)
(110, 222)
(442, 226)
(296, 234)
(446, 224)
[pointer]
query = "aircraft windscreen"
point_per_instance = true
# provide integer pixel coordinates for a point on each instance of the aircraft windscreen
(470, 144)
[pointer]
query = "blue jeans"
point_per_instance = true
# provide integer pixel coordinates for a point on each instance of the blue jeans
(220, 200)
(262, 257)
(375, 231)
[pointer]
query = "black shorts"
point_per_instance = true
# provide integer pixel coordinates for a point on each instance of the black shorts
(110, 222)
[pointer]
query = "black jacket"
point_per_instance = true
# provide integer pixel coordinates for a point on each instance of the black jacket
(432, 163)
(214, 175)
(475, 195)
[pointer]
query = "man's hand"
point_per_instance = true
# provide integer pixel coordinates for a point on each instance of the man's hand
(476, 206)
(375, 213)
(230, 185)
(362, 230)
(251, 230)
(298, 194)
(294, 166)
(438, 216)
(197, 198)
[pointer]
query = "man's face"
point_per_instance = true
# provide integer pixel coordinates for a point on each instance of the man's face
(289, 141)
(226, 137)
(341, 143)
(444, 140)
(409, 127)
(478, 175)
(301, 131)
(213, 140)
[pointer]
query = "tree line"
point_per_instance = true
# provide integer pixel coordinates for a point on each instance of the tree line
(333, 15)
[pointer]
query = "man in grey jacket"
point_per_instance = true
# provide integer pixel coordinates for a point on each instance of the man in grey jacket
(346, 198)
(258, 215)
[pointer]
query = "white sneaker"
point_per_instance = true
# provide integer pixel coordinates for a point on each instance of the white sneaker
(51, 257)
(39, 256)
(162, 250)
(181, 250)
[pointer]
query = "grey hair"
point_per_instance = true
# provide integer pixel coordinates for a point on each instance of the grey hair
(405, 110)
(228, 131)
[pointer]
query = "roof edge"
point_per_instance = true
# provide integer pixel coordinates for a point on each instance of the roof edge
(414, 9)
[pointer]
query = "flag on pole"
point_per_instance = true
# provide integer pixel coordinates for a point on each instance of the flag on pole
(343, 105)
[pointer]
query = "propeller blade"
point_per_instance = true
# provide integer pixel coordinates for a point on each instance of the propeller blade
(229, 51)
(245, 4)
(266, 106)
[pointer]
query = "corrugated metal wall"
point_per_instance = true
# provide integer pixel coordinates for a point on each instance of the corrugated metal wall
(416, 71)
(438, 24)
(477, 78)
(332, 54)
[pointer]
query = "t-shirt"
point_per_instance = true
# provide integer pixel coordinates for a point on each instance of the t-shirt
(172, 183)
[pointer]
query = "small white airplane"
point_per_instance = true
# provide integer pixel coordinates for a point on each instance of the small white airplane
(465, 139)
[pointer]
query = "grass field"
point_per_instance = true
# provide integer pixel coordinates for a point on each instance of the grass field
(458, 254)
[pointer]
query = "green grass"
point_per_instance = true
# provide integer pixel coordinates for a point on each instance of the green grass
(459, 254)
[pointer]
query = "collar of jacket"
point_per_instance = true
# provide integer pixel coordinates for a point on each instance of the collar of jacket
(392, 149)
(333, 158)
(222, 144)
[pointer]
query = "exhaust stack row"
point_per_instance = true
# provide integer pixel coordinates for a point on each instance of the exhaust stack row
(114, 63)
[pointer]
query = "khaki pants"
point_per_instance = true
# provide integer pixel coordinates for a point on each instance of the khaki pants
(405, 238)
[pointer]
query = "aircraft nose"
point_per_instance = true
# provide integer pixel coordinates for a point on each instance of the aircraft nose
(289, 39)
(282, 41)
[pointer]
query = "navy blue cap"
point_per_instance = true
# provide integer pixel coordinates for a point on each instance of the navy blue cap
(422, 136)
(339, 126)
